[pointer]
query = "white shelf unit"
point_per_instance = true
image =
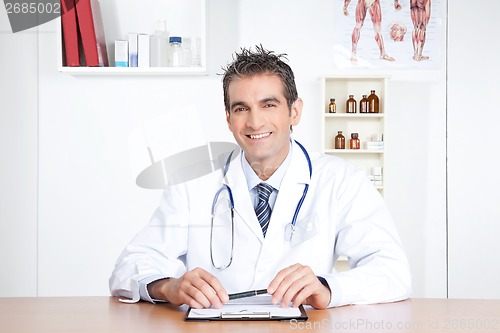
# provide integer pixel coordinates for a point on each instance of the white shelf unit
(367, 125)
(132, 71)
(185, 18)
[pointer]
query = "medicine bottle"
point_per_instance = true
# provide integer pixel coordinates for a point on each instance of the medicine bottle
(354, 142)
(332, 107)
(363, 105)
(350, 105)
(176, 58)
(373, 103)
(339, 141)
(159, 45)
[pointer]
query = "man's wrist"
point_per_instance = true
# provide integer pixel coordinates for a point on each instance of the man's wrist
(156, 289)
(325, 284)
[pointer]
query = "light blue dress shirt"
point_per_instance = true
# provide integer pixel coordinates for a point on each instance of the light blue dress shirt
(275, 180)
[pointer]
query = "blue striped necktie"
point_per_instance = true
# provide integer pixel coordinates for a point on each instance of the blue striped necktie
(263, 210)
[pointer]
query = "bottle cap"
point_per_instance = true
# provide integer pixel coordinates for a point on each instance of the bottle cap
(332, 99)
(351, 96)
(175, 39)
(372, 91)
(354, 135)
(340, 132)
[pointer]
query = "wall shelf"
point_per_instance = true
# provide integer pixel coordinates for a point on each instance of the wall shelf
(354, 115)
(133, 71)
(352, 151)
(186, 19)
(367, 125)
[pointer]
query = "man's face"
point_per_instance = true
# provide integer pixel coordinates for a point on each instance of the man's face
(260, 120)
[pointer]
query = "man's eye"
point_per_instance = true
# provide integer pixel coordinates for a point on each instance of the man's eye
(269, 105)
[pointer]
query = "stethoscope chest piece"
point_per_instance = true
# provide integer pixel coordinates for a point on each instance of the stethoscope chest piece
(289, 231)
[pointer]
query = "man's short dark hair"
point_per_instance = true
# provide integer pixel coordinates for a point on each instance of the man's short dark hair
(248, 63)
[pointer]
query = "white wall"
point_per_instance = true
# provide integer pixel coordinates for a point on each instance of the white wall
(63, 236)
(473, 158)
(18, 167)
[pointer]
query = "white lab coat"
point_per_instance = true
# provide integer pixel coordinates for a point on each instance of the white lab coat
(342, 215)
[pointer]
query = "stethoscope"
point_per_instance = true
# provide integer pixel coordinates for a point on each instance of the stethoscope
(290, 228)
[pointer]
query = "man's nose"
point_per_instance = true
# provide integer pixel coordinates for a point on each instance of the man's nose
(256, 119)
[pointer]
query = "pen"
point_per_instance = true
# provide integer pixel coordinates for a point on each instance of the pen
(248, 294)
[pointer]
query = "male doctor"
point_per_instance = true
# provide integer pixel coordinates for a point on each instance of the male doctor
(184, 257)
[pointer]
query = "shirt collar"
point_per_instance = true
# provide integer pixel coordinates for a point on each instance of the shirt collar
(275, 179)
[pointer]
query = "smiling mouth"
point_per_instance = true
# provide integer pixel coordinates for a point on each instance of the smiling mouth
(259, 136)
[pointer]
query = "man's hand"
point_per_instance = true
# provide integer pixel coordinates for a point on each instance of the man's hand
(299, 284)
(397, 5)
(196, 288)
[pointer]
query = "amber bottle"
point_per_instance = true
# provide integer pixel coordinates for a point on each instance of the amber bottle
(332, 107)
(373, 103)
(339, 141)
(350, 105)
(363, 105)
(354, 142)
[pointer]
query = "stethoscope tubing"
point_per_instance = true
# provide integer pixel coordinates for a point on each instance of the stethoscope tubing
(231, 200)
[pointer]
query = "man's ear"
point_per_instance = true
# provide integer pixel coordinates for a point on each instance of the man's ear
(296, 111)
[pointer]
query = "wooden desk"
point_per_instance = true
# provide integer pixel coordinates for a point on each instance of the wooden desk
(106, 314)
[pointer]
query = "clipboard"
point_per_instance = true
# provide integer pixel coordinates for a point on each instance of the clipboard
(261, 314)
(255, 308)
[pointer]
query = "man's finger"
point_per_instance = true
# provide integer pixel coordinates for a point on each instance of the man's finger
(211, 288)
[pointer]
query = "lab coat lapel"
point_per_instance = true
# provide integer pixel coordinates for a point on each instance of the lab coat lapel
(290, 192)
(235, 179)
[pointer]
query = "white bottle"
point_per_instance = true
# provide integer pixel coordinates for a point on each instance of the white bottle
(176, 56)
(159, 45)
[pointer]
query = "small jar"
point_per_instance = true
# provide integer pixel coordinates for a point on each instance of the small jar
(176, 57)
(363, 105)
(350, 105)
(339, 141)
(373, 102)
(332, 107)
(354, 142)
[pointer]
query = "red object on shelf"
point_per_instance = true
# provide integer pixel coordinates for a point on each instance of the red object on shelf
(70, 33)
(92, 33)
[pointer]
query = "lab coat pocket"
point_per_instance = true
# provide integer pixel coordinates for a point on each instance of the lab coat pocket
(304, 230)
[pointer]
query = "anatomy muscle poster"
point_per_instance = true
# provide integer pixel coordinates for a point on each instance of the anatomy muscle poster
(404, 34)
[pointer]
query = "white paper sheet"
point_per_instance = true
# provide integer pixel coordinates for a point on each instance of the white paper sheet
(245, 306)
